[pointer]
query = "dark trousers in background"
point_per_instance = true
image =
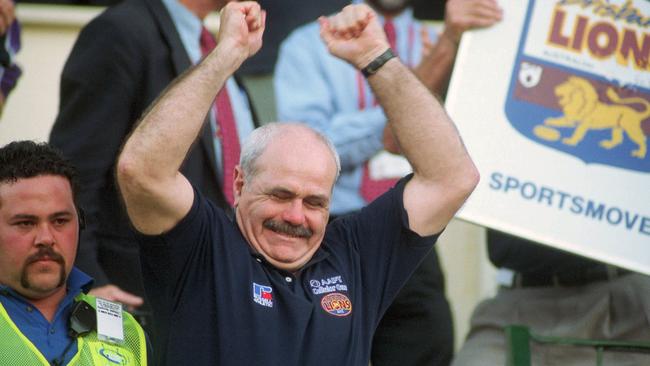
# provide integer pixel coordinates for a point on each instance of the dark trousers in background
(417, 328)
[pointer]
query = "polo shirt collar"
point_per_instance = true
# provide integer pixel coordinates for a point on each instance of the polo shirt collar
(77, 282)
(317, 257)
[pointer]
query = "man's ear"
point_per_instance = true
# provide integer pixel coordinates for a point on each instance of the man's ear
(238, 184)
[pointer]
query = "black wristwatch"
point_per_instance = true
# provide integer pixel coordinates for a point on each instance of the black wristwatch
(377, 63)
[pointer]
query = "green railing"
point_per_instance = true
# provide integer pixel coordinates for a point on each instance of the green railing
(518, 339)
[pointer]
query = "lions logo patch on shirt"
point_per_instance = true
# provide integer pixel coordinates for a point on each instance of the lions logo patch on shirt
(337, 304)
(263, 295)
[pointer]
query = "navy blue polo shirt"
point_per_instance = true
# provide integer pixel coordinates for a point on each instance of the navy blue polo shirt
(217, 302)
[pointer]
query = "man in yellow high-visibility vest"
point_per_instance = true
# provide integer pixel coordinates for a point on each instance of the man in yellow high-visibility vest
(45, 316)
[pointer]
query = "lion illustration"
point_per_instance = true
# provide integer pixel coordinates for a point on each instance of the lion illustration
(583, 110)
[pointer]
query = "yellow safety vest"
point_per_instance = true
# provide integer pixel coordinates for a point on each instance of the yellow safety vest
(16, 349)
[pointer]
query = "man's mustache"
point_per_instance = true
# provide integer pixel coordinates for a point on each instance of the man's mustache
(283, 227)
(45, 252)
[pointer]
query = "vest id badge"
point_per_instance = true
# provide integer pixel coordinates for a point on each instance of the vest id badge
(110, 326)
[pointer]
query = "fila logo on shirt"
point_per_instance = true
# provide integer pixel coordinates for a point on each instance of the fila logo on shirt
(263, 295)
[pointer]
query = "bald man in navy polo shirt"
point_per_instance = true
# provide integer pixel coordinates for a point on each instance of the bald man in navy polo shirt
(278, 286)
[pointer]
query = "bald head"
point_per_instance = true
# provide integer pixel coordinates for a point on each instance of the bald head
(297, 139)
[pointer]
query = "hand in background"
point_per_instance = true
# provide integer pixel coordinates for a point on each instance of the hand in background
(434, 69)
(462, 15)
(114, 293)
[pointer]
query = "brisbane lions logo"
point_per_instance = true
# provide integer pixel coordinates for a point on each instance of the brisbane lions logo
(583, 111)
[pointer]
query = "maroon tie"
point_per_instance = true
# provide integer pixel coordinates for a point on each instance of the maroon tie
(389, 29)
(226, 126)
(373, 188)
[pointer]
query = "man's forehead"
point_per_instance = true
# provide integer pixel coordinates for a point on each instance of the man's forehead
(44, 188)
(297, 142)
(44, 180)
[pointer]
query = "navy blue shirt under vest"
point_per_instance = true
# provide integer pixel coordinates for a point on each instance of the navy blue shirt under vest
(218, 302)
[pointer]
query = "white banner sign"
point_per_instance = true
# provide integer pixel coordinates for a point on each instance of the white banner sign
(553, 104)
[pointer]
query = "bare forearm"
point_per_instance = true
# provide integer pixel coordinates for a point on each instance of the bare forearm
(167, 130)
(156, 194)
(159, 144)
(434, 70)
(435, 67)
(425, 133)
(444, 174)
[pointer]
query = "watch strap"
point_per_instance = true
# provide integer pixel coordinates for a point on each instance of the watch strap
(377, 63)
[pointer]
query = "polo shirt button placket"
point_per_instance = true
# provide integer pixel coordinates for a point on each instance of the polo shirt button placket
(290, 282)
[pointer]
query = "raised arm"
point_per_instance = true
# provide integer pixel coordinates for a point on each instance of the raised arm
(444, 174)
(304, 92)
(156, 194)
(438, 59)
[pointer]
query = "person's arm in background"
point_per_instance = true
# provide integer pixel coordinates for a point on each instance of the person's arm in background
(437, 62)
(10, 38)
(157, 196)
(96, 113)
(434, 70)
(304, 94)
(444, 174)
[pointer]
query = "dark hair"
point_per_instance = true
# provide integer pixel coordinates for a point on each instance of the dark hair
(28, 159)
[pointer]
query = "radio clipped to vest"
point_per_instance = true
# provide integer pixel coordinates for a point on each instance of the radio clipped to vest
(83, 319)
